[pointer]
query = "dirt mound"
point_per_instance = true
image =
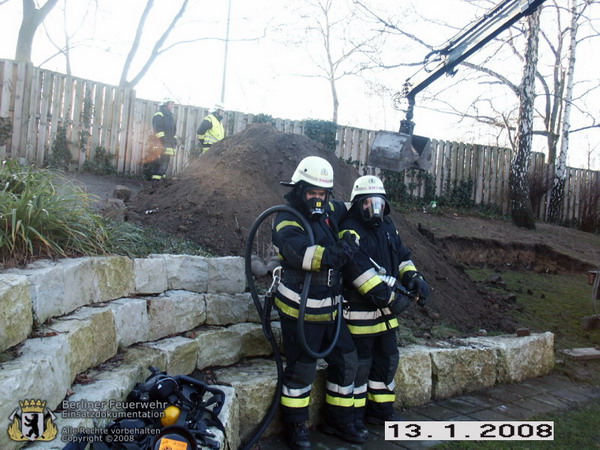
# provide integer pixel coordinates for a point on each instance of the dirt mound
(217, 198)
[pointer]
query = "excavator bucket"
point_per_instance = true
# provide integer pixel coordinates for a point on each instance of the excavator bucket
(400, 151)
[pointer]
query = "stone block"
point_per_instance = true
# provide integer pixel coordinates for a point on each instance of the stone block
(520, 358)
(181, 354)
(91, 337)
(16, 320)
(226, 309)
(131, 320)
(217, 347)
(226, 275)
(150, 275)
(115, 277)
(175, 312)
(413, 376)
(462, 369)
(254, 342)
(39, 371)
(186, 272)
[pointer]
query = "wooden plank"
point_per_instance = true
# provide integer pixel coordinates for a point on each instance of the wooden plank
(30, 101)
(98, 117)
(494, 160)
(506, 181)
(480, 173)
(107, 117)
(76, 128)
(55, 106)
(460, 162)
(363, 150)
(126, 135)
(6, 74)
(43, 123)
(18, 94)
(438, 172)
(87, 115)
(115, 125)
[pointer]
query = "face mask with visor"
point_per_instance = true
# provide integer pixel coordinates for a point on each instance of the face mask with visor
(373, 209)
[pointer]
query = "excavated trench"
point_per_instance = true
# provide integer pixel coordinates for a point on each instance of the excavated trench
(517, 256)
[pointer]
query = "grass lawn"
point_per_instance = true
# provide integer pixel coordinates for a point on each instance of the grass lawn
(547, 302)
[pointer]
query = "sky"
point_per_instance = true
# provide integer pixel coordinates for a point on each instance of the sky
(267, 72)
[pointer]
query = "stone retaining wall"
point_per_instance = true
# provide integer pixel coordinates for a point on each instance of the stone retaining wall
(88, 328)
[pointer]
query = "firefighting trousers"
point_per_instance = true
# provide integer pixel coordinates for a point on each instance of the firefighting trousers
(300, 371)
(374, 383)
(159, 166)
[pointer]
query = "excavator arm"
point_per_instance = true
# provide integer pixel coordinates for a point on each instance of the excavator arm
(401, 151)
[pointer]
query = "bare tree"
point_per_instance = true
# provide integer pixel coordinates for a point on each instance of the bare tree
(32, 18)
(342, 52)
(521, 211)
(156, 50)
(70, 43)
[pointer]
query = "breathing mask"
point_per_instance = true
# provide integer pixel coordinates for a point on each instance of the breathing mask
(373, 209)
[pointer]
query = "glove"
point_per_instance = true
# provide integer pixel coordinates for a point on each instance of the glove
(399, 304)
(350, 246)
(340, 253)
(416, 283)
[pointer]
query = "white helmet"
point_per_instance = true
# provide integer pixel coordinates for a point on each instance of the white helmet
(314, 171)
(218, 106)
(168, 100)
(367, 184)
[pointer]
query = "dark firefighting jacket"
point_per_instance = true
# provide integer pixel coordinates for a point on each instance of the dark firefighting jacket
(297, 256)
(163, 124)
(368, 295)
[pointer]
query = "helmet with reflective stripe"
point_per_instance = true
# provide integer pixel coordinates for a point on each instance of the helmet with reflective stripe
(367, 185)
(314, 171)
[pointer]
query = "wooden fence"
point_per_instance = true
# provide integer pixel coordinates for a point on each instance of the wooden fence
(98, 115)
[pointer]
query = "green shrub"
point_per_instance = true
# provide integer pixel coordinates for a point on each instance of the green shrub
(60, 158)
(323, 131)
(44, 215)
(101, 163)
(5, 130)
(263, 118)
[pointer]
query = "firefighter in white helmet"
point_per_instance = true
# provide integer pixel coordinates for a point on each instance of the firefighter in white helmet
(311, 189)
(211, 128)
(376, 281)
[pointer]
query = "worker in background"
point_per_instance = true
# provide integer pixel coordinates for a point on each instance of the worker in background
(163, 125)
(312, 184)
(211, 128)
(376, 281)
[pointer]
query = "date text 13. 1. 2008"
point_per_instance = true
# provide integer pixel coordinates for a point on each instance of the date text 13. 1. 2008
(469, 431)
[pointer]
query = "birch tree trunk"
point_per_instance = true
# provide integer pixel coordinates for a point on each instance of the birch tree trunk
(521, 211)
(557, 194)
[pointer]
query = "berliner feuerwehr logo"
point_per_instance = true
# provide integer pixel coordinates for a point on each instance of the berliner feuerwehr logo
(32, 421)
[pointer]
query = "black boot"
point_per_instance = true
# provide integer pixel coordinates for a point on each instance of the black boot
(376, 420)
(345, 431)
(359, 425)
(296, 435)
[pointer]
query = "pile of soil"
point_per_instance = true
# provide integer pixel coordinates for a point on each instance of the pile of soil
(217, 198)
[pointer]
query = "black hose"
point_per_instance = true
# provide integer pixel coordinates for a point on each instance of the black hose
(265, 315)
